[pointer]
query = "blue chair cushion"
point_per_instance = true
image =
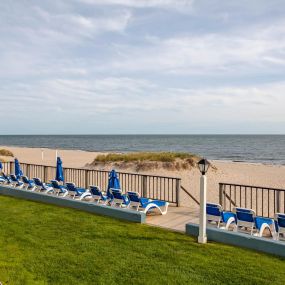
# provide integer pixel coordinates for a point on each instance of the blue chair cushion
(259, 221)
(244, 215)
(159, 203)
(213, 211)
(81, 190)
(280, 222)
(227, 215)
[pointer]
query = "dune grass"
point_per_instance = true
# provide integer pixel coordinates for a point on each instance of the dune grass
(6, 152)
(145, 156)
(45, 244)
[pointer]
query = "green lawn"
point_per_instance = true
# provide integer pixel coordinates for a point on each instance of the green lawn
(44, 244)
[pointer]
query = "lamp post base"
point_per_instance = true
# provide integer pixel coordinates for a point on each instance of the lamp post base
(202, 239)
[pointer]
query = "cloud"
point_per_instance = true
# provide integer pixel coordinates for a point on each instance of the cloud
(253, 50)
(171, 4)
(145, 65)
(41, 43)
(128, 94)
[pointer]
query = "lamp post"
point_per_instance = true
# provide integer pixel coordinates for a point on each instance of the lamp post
(203, 167)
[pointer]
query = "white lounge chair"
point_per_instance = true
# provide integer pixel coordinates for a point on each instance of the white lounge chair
(280, 225)
(216, 214)
(246, 218)
(146, 204)
(77, 192)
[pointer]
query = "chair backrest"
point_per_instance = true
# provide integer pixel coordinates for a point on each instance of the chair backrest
(55, 184)
(95, 190)
(214, 209)
(245, 215)
(25, 179)
(280, 219)
(134, 196)
(117, 193)
(71, 186)
(5, 176)
(38, 181)
(13, 177)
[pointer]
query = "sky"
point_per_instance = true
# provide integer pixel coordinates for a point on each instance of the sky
(142, 66)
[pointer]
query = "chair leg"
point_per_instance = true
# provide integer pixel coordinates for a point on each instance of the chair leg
(251, 230)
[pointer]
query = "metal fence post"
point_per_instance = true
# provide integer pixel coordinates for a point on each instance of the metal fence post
(178, 187)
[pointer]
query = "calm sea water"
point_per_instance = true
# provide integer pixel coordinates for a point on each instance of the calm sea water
(252, 148)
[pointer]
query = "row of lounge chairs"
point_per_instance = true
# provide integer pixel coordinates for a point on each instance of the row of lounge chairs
(246, 220)
(130, 200)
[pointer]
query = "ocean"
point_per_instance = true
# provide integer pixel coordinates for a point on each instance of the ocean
(249, 148)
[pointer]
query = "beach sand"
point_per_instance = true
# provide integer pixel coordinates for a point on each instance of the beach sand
(71, 158)
(227, 171)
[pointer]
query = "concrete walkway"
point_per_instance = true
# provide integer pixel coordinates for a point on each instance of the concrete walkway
(175, 219)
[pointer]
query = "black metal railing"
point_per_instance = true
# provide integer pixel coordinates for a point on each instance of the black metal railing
(151, 186)
(264, 200)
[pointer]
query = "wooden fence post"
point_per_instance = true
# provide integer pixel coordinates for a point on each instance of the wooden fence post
(178, 187)
(278, 201)
(45, 174)
(144, 185)
(11, 167)
(221, 194)
(86, 179)
(28, 166)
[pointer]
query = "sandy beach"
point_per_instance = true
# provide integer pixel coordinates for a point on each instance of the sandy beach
(226, 171)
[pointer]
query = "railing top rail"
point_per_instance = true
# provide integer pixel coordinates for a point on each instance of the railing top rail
(252, 186)
(105, 171)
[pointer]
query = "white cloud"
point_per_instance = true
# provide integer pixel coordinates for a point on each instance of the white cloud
(243, 52)
(114, 61)
(127, 94)
(77, 25)
(173, 4)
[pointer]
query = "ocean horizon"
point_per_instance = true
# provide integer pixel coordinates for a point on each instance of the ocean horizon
(268, 149)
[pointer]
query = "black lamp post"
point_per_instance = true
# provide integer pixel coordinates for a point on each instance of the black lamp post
(203, 165)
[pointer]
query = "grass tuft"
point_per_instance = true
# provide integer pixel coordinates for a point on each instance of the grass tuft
(149, 160)
(6, 152)
(145, 156)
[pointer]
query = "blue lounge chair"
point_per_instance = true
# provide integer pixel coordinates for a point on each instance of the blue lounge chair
(146, 204)
(76, 192)
(247, 219)
(2, 180)
(98, 195)
(15, 182)
(216, 214)
(5, 179)
(119, 199)
(41, 186)
(280, 225)
(28, 184)
(58, 189)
